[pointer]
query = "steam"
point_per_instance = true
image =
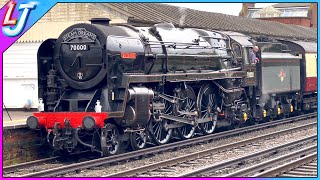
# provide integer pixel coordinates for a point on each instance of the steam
(183, 14)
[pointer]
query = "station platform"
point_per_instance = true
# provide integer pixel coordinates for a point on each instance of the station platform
(20, 144)
(15, 119)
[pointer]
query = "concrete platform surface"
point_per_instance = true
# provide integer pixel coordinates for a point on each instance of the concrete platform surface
(18, 118)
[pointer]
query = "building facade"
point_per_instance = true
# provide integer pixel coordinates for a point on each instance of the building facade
(303, 14)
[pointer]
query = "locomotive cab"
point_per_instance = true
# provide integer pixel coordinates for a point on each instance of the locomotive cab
(241, 46)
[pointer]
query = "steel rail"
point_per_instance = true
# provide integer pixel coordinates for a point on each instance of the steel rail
(309, 153)
(17, 167)
(13, 168)
(306, 170)
(290, 166)
(239, 160)
(161, 148)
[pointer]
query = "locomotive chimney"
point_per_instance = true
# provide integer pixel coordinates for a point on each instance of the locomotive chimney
(101, 21)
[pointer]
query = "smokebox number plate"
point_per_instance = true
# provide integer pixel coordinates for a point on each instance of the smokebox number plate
(79, 47)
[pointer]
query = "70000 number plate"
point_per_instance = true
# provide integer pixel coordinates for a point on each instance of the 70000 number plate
(79, 47)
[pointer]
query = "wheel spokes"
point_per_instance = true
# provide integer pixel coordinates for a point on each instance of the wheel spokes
(187, 105)
(158, 132)
(138, 139)
(207, 104)
(111, 138)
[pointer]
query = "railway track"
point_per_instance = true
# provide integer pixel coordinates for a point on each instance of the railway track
(307, 169)
(301, 163)
(305, 166)
(17, 167)
(50, 160)
(159, 149)
(184, 163)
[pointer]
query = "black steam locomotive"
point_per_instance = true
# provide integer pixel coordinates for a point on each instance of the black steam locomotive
(101, 86)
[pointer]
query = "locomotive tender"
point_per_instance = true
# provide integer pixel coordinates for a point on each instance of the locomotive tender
(101, 86)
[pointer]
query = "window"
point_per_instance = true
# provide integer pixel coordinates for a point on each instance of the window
(301, 13)
(237, 50)
(256, 15)
(294, 12)
(285, 13)
(249, 14)
(252, 14)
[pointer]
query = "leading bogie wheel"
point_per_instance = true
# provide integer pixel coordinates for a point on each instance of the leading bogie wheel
(138, 140)
(187, 105)
(110, 140)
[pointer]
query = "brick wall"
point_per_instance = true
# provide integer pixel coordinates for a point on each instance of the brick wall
(245, 7)
(22, 145)
(314, 15)
(301, 21)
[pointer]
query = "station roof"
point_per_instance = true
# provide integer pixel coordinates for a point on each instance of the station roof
(64, 15)
(150, 13)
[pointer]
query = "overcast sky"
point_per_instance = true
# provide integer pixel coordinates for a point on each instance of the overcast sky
(225, 8)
